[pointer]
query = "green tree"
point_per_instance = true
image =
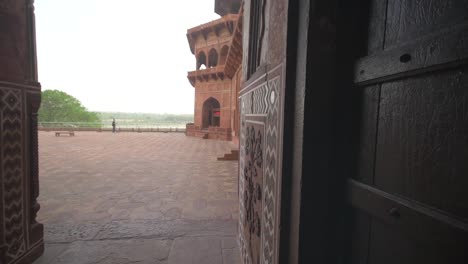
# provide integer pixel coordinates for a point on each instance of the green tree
(58, 106)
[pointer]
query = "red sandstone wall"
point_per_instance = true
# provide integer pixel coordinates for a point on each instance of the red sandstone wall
(221, 91)
(224, 91)
(213, 41)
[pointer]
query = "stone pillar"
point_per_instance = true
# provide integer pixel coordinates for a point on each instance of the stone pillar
(21, 237)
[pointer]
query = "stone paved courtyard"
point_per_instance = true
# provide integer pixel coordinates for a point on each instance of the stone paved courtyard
(137, 198)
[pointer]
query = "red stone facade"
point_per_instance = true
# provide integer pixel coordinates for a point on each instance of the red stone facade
(217, 46)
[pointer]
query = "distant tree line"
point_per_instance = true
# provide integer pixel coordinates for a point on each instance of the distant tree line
(147, 117)
(58, 106)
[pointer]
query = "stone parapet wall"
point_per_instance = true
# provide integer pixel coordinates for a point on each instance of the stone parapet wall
(138, 130)
(192, 130)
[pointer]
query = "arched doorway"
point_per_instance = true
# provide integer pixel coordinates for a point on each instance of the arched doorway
(211, 113)
(201, 61)
(212, 58)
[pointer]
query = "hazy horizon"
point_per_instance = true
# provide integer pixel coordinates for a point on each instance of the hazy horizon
(120, 57)
(120, 112)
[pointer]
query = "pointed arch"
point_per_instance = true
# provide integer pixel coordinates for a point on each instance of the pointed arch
(201, 60)
(211, 113)
(212, 58)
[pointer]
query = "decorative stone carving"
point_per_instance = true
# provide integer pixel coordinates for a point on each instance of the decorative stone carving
(253, 181)
(11, 175)
(35, 101)
(259, 154)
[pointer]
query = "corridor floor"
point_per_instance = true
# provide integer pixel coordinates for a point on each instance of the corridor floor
(137, 198)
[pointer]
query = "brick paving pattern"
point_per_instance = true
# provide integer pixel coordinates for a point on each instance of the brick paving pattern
(137, 198)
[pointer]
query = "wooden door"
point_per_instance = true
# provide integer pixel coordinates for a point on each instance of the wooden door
(21, 237)
(410, 196)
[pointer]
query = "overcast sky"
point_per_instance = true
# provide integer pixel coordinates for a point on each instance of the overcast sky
(120, 55)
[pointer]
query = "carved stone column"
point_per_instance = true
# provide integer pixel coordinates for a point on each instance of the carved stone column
(36, 229)
(21, 237)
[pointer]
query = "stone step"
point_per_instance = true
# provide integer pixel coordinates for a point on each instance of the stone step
(234, 155)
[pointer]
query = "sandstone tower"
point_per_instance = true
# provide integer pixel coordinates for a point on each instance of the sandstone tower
(217, 46)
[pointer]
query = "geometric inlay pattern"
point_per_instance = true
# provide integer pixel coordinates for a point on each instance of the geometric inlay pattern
(252, 193)
(11, 176)
(262, 100)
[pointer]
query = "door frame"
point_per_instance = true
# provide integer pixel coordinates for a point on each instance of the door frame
(316, 117)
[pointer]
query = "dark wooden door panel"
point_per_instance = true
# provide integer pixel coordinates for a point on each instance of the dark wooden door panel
(376, 25)
(411, 224)
(411, 217)
(408, 20)
(422, 147)
(369, 99)
(433, 52)
(359, 224)
(408, 198)
(389, 246)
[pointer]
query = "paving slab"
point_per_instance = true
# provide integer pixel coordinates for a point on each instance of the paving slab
(115, 252)
(231, 256)
(137, 198)
(196, 250)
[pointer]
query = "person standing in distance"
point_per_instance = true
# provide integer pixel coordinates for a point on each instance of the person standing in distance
(113, 125)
